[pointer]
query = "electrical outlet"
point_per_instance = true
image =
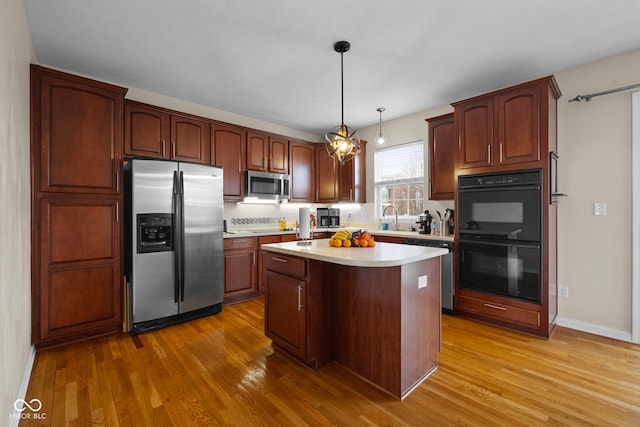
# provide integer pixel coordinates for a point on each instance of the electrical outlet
(563, 291)
(422, 282)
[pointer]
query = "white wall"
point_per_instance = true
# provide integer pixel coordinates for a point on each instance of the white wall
(15, 249)
(594, 145)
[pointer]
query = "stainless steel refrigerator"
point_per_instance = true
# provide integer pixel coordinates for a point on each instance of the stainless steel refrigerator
(173, 242)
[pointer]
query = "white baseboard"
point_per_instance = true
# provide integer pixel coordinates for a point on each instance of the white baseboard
(24, 384)
(594, 329)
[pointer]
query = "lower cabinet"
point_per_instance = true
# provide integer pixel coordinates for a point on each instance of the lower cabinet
(78, 279)
(240, 268)
(285, 305)
(388, 239)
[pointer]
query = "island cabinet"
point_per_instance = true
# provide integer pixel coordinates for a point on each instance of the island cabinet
(375, 311)
(301, 169)
(267, 153)
(76, 152)
(228, 145)
(156, 132)
(240, 268)
(275, 238)
(507, 129)
(442, 154)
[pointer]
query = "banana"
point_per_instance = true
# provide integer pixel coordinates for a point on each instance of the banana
(342, 235)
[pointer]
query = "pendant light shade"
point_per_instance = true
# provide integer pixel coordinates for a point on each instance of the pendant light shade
(381, 135)
(342, 141)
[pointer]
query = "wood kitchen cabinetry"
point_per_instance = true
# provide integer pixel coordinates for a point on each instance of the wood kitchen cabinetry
(327, 176)
(159, 133)
(267, 153)
(442, 154)
(286, 302)
(506, 129)
(301, 169)
(76, 151)
(352, 178)
(228, 145)
(240, 268)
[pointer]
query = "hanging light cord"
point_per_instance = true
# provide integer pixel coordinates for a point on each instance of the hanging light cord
(342, 88)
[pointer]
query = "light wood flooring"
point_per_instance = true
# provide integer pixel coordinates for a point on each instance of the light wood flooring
(222, 370)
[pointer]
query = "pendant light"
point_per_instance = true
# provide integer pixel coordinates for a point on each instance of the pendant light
(342, 141)
(381, 135)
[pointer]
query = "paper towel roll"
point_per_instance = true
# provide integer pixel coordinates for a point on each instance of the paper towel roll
(304, 231)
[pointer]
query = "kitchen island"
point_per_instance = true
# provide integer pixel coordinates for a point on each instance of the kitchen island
(375, 311)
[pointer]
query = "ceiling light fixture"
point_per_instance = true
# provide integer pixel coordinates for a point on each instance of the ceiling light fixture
(342, 141)
(381, 136)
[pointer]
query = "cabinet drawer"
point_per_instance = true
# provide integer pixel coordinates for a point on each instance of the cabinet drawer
(240, 243)
(500, 311)
(285, 264)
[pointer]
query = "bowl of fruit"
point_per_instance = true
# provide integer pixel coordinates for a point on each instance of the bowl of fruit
(352, 239)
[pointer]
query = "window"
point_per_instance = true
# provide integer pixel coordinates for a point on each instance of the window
(399, 178)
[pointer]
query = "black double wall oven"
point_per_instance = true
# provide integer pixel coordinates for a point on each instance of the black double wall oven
(499, 234)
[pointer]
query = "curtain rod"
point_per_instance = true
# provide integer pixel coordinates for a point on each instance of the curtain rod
(606, 92)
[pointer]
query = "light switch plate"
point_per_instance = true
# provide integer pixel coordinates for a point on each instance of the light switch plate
(599, 208)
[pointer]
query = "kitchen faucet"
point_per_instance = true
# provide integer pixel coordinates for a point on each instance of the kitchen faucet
(395, 223)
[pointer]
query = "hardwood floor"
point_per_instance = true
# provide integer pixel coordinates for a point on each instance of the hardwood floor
(222, 370)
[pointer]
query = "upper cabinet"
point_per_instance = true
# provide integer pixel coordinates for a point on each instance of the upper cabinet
(158, 133)
(327, 176)
(301, 169)
(77, 132)
(442, 152)
(267, 153)
(506, 127)
(228, 144)
(352, 182)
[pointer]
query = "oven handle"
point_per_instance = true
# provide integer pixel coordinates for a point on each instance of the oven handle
(499, 188)
(501, 244)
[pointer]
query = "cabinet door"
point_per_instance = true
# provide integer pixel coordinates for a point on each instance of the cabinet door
(442, 184)
(79, 267)
(301, 160)
(278, 155)
(285, 311)
(353, 184)
(326, 176)
(189, 139)
(262, 240)
(240, 268)
(475, 131)
(146, 131)
(519, 126)
(227, 150)
(79, 138)
(257, 151)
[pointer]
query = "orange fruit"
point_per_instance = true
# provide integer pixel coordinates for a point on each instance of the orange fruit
(365, 236)
(363, 242)
(346, 243)
(371, 243)
(337, 243)
(331, 242)
(356, 242)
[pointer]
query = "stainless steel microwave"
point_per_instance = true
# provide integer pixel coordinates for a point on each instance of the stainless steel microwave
(268, 186)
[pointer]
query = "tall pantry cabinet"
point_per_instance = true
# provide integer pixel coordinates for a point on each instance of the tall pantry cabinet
(76, 186)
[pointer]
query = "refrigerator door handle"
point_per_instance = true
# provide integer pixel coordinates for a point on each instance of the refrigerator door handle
(176, 253)
(181, 230)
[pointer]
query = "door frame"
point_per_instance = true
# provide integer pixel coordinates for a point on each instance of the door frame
(635, 211)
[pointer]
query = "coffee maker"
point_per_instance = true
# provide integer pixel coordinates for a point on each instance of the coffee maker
(328, 217)
(424, 222)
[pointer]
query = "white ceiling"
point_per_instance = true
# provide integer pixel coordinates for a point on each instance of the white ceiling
(274, 60)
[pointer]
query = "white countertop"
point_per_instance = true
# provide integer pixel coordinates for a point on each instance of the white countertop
(381, 255)
(374, 232)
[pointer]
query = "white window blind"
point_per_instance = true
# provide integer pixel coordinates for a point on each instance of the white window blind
(399, 178)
